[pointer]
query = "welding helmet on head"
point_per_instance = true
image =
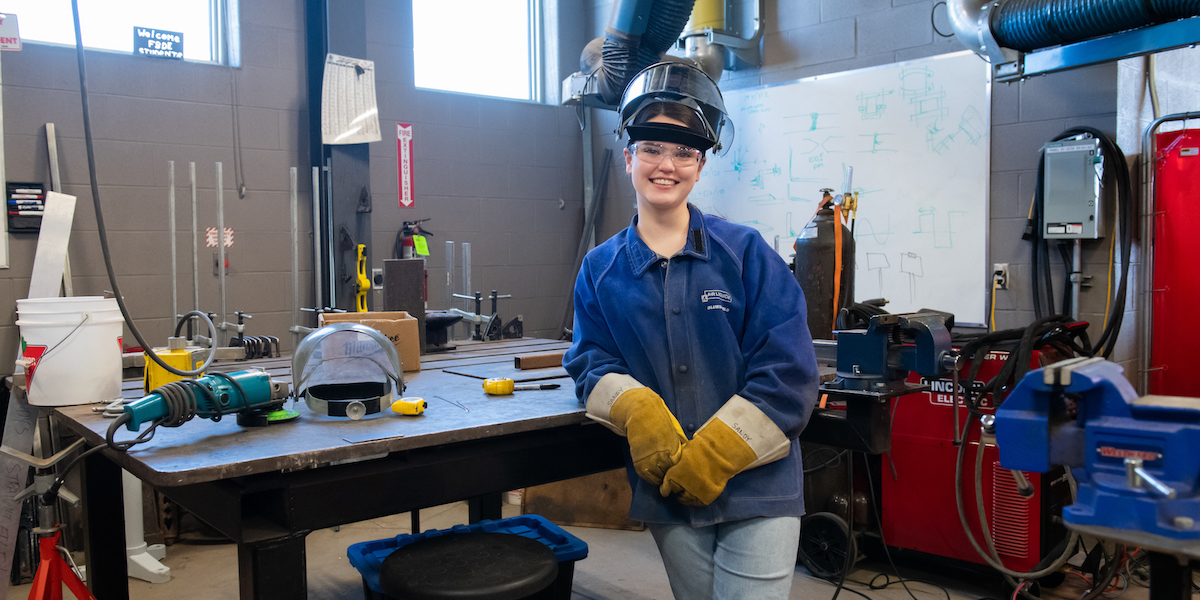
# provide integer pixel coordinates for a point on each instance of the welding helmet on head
(678, 83)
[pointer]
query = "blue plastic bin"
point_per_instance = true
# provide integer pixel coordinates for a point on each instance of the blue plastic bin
(368, 556)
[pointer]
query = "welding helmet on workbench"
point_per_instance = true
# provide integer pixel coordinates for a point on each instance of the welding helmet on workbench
(677, 83)
(346, 370)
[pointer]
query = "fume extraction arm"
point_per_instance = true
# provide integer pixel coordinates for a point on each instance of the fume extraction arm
(712, 34)
(1032, 37)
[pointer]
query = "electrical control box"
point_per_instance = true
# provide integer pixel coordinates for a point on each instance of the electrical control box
(1074, 170)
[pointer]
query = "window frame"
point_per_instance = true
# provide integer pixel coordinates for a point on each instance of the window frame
(537, 26)
(224, 39)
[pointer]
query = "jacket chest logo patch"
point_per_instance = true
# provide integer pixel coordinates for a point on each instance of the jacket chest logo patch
(716, 300)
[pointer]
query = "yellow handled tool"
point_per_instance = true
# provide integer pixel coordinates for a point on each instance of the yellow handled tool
(412, 405)
(364, 284)
(504, 386)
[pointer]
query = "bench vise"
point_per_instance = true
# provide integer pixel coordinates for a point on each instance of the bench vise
(872, 366)
(1136, 460)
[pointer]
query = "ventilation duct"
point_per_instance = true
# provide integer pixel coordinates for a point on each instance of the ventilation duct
(1029, 37)
(638, 33)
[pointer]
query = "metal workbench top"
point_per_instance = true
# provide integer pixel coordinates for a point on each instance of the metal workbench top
(203, 451)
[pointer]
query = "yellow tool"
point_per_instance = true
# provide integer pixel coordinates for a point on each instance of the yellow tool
(364, 284)
(504, 386)
(176, 354)
(412, 405)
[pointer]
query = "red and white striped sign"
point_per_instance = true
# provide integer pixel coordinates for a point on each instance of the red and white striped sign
(210, 237)
(404, 166)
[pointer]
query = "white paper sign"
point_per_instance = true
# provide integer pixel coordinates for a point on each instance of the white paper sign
(349, 114)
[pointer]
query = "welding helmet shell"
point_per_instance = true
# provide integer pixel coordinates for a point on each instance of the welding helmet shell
(678, 83)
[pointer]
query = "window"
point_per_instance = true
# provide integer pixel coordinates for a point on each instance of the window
(109, 25)
(484, 47)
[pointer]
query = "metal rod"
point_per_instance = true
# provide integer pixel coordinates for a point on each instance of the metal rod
(1077, 278)
(957, 425)
(56, 185)
(316, 235)
(330, 240)
(466, 280)
(221, 246)
(295, 208)
(589, 191)
(449, 274)
(171, 227)
(195, 240)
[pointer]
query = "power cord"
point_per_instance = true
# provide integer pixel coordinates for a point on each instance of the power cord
(879, 522)
(101, 229)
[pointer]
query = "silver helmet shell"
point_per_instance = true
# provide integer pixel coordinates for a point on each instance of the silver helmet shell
(680, 83)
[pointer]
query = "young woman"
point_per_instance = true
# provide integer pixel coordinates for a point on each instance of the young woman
(690, 340)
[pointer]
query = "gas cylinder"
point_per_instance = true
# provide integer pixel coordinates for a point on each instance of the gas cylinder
(814, 267)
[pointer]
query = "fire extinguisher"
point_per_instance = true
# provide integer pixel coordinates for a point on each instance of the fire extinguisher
(406, 247)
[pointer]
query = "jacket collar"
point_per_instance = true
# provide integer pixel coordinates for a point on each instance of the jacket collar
(641, 256)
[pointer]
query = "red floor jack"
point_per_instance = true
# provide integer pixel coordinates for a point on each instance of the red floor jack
(52, 571)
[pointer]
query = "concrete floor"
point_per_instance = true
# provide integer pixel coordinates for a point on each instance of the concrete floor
(621, 565)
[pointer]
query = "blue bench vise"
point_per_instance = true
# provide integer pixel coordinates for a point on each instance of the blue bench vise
(1136, 460)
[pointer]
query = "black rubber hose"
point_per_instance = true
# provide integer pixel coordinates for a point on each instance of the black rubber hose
(101, 230)
(623, 55)
(1028, 25)
(618, 63)
(666, 22)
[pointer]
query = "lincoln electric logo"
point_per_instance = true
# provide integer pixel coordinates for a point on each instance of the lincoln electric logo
(715, 298)
(1110, 452)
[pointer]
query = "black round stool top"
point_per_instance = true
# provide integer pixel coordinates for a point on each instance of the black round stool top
(475, 565)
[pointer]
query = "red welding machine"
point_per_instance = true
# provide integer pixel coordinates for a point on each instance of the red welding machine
(919, 508)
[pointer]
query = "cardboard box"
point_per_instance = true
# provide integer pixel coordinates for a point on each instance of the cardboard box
(398, 326)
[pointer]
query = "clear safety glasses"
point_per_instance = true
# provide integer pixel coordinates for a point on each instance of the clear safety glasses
(654, 153)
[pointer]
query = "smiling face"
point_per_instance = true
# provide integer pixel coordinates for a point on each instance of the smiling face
(662, 187)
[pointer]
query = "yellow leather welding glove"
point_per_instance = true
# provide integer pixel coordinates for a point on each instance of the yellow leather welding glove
(638, 413)
(739, 437)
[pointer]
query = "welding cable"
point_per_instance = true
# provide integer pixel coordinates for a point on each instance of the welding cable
(879, 520)
(91, 158)
(823, 580)
(962, 518)
(887, 581)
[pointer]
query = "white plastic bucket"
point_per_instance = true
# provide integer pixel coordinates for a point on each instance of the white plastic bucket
(71, 348)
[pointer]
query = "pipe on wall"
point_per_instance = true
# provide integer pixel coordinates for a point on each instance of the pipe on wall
(709, 57)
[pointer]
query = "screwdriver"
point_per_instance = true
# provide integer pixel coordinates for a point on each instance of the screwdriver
(504, 386)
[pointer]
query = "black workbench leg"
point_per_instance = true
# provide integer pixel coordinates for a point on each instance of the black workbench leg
(483, 507)
(273, 569)
(1170, 579)
(104, 524)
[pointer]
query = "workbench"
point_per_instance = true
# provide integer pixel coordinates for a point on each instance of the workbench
(267, 488)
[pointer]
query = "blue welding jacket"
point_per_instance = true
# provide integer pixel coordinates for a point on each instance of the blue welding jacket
(723, 316)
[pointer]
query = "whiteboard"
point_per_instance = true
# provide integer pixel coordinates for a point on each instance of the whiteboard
(917, 137)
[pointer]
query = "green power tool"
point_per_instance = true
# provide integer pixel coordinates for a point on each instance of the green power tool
(252, 395)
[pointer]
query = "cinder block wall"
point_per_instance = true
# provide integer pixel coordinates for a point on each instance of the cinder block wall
(146, 112)
(503, 175)
(805, 38)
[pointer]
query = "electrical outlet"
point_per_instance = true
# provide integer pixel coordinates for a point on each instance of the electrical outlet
(1000, 275)
(377, 279)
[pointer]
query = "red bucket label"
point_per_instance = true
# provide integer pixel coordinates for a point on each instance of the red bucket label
(31, 356)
